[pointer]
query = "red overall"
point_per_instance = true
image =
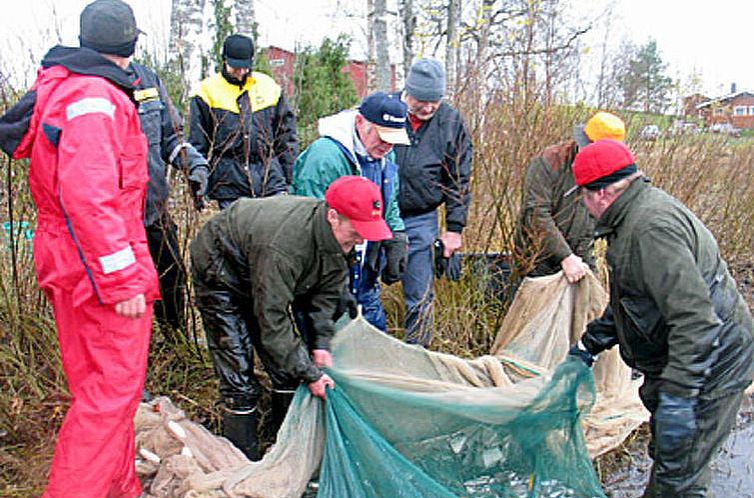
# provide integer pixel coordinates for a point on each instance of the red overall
(88, 173)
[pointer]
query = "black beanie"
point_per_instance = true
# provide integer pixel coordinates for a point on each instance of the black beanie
(109, 27)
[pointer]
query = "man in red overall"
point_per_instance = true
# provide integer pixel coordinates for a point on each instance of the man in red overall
(87, 174)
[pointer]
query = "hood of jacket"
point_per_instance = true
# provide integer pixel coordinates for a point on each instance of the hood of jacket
(340, 127)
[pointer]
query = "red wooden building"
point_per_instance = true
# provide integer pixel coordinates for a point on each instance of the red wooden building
(736, 108)
(282, 63)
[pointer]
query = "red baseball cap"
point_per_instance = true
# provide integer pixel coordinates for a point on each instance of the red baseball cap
(602, 163)
(359, 200)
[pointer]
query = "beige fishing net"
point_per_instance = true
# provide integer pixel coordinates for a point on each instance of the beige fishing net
(410, 397)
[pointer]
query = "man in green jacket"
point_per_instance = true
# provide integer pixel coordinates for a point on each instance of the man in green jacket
(358, 142)
(674, 311)
(554, 230)
(249, 264)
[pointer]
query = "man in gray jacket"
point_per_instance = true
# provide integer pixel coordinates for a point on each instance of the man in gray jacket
(674, 311)
(249, 264)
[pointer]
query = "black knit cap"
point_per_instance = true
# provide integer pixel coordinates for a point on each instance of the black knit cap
(109, 27)
(238, 51)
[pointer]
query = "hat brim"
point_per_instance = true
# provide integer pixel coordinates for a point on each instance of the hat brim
(580, 136)
(395, 136)
(238, 63)
(373, 230)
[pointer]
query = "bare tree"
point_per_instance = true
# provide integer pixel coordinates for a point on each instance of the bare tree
(408, 17)
(187, 27)
(452, 44)
(379, 54)
(245, 18)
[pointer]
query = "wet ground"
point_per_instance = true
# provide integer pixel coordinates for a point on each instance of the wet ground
(733, 468)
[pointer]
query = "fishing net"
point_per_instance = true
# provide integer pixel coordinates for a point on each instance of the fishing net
(404, 421)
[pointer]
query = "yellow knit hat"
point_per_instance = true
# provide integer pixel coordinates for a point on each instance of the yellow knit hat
(605, 125)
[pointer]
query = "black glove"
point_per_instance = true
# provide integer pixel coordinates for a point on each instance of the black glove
(675, 422)
(441, 262)
(582, 354)
(347, 302)
(396, 253)
(198, 181)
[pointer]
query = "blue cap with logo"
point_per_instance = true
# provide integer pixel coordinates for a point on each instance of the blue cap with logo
(388, 114)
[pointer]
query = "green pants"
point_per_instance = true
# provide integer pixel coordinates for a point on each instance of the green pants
(686, 473)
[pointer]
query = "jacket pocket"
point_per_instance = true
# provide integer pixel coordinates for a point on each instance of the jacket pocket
(133, 163)
(150, 117)
(643, 320)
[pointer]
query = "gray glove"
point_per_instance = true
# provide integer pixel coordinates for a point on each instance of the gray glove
(198, 181)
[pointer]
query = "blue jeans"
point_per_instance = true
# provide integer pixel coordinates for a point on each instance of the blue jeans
(368, 296)
(418, 281)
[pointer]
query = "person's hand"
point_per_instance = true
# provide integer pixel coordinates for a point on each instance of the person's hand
(451, 241)
(396, 253)
(579, 351)
(322, 358)
(317, 388)
(198, 181)
(574, 268)
(675, 422)
(132, 308)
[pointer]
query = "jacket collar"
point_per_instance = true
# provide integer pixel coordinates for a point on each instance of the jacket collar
(323, 235)
(615, 214)
(81, 60)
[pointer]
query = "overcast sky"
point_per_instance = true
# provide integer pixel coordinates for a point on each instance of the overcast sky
(711, 38)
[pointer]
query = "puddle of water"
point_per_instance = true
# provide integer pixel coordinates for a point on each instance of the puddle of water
(732, 468)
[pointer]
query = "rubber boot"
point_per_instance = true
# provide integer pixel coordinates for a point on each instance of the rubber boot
(280, 403)
(240, 427)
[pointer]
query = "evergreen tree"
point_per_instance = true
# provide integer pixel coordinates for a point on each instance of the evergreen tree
(322, 88)
(646, 86)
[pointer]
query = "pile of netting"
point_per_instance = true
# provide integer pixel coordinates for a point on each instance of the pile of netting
(406, 422)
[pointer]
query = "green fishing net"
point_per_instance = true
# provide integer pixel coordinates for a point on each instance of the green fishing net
(422, 426)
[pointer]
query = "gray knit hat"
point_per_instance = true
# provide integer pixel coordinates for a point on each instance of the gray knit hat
(426, 80)
(109, 27)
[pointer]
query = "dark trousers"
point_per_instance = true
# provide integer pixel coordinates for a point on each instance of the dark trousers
(163, 246)
(686, 473)
(233, 337)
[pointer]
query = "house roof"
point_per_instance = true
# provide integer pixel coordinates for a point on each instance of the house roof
(724, 98)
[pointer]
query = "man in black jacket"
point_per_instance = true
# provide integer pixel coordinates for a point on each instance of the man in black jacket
(163, 127)
(434, 170)
(241, 122)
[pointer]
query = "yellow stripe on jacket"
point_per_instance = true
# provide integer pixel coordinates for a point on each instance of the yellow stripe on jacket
(217, 93)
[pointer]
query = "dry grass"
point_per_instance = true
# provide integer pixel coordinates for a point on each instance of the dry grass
(709, 174)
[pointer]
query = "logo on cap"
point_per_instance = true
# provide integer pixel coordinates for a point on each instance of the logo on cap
(394, 119)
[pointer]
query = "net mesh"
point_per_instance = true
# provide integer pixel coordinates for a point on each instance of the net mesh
(404, 421)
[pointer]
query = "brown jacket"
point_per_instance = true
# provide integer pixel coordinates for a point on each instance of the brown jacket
(552, 225)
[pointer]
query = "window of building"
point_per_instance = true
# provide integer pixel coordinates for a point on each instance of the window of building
(720, 111)
(739, 110)
(751, 110)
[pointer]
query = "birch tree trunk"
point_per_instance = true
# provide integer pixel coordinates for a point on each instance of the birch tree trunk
(245, 17)
(452, 42)
(381, 50)
(186, 33)
(408, 18)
